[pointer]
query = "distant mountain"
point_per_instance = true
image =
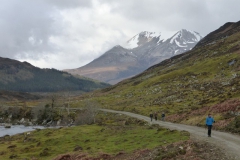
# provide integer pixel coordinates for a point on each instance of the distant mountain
(142, 51)
(22, 76)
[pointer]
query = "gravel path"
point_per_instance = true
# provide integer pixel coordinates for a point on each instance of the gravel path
(229, 143)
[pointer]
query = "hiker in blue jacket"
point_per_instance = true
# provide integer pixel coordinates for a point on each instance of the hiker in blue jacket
(209, 122)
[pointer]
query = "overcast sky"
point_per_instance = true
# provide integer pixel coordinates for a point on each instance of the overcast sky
(66, 34)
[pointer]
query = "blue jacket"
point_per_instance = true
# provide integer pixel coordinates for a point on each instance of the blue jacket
(209, 121)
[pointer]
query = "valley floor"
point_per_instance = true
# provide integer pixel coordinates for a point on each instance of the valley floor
(228, 143)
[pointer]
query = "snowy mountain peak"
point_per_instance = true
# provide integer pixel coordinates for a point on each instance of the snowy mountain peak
(142, 38)
(184, 37)
(143, 50)
(148, 34)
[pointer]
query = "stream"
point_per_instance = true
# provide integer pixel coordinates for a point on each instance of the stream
(16, 129)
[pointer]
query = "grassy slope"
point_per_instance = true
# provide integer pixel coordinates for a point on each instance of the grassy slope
(110, 138)
(22, 76)
(197, 79)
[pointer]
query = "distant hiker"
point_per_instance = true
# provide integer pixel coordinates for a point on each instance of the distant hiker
(209, 122)
(155, 115)
(163, 116)
(151, 115)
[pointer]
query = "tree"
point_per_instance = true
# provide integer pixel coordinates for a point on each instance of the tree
(88, 114)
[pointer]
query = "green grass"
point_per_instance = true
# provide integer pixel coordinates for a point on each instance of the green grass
(94, 139)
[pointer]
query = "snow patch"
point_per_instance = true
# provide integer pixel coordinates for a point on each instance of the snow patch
(175, 52)
(132, 43)
(174, 37)
(179, 45)
(197, 35)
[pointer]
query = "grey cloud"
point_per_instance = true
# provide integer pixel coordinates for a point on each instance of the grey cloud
(22, 24)
(41, 30)
(63, 4)
(27, 26)
(203, 16)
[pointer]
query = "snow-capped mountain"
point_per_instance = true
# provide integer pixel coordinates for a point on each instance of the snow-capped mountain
(184, 39)
(158, 49)
(141, 39)
(143, 50)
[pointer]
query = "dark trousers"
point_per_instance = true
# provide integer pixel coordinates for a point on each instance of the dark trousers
(209, 130)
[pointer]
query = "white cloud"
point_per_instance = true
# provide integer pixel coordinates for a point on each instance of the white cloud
(68, 34)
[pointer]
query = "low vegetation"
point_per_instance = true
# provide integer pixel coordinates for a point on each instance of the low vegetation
(111, 135)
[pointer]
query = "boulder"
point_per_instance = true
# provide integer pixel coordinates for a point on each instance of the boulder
(22, 121)
(78, 148)
(7, 125)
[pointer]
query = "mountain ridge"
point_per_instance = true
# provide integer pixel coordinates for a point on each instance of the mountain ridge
(120, 63)
(24, 77)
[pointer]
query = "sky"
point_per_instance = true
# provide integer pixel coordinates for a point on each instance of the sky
(67, 34)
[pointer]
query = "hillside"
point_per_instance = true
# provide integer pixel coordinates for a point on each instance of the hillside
(20, 96)
(188, 86)
(22, 76)
(143, 50)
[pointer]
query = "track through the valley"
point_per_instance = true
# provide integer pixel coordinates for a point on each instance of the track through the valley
(228, 142)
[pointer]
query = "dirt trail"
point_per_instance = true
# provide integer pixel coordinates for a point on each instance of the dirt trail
(228, 142)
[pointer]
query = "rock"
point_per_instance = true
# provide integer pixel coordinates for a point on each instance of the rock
(7, 126)
(2, 153)
(22, 121)
(59, 122)
(10, 116)
(120, 153)
(105, 156)
(122, 123)
(13, 156)
(188, 148)
(12, 146)
(6, 136)
(44, 152)
(181, 147)
(27, 124)
(38, 144)
(232, 62)
(182, 152)
(44, 122)
(173, 130)
(78, 148)
(49, 122)
(64, 157)
(184, 133)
